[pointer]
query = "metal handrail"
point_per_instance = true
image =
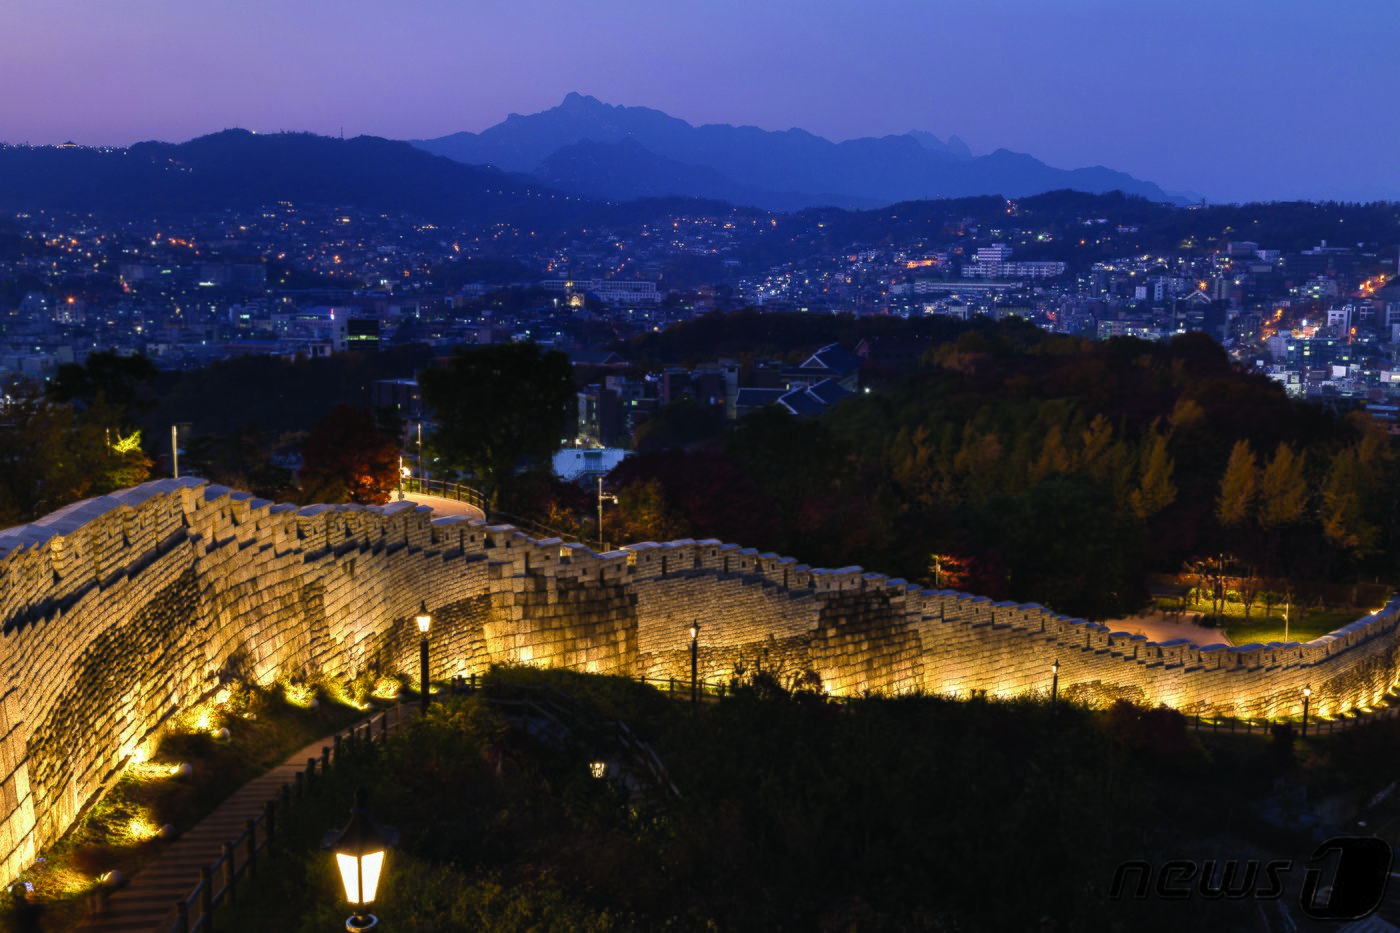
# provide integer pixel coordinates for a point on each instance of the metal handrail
(447, 490)
(531, 525)
(205, 896)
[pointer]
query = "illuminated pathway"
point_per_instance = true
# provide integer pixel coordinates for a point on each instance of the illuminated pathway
(442, 508)
(145, 903)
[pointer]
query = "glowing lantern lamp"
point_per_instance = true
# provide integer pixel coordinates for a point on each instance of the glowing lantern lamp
(359, 854)
(425, 621)
(1307, 696)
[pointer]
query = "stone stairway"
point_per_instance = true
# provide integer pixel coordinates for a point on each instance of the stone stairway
(146, 903)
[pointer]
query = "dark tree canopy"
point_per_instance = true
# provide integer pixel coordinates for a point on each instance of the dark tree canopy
(108, 382)
(50, 456)
(1039, 467)
(499, 408)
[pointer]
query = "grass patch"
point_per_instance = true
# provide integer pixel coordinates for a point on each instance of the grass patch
(1303, 624)
(122, 831)
(1316, 623)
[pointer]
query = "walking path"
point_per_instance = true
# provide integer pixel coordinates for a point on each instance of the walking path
(145, 904)
(1160, 628)
(443, 507)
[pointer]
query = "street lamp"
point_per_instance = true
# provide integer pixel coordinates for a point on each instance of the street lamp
(1054, 683)
(424, 622)
(694, 662)
(359, 854)
(601, 496)
(1307, 697)
(175, 447)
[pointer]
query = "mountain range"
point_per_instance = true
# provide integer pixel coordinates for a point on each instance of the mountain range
(597, 150)
(238, 169)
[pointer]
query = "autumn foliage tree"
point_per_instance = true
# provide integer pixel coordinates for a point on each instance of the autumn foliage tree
(1049, 468)
(347, 459)
(52, 454)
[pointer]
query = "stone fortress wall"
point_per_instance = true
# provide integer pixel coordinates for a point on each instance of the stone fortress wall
(121, 612)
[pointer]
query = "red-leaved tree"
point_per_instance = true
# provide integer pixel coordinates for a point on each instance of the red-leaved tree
(347, 459)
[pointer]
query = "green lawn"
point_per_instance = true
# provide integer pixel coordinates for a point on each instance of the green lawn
(1315, 623)
(1303, 625)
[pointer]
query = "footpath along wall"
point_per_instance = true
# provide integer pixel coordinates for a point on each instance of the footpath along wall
(120, 612)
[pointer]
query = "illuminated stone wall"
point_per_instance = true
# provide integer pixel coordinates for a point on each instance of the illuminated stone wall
(119, 612)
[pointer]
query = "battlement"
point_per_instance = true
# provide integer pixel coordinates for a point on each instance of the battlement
(119, 612)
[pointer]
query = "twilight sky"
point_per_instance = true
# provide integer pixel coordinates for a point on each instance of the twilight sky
(1233, 100)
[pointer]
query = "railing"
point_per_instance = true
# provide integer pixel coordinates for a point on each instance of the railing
(1317, 726)
(238, 861)
(477, 499)
(555, 706)
(534, 527)
(446, 490)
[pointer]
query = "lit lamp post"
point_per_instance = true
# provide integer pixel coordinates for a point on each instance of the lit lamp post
(175, 447)
(424, 622)
(359, 854)
(694, 662)
(1054, 683)
(601, 496)
(1307, 697)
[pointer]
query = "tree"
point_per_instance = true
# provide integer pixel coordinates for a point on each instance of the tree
(1352, 493)
(1155, 490)
(50, 457)
(642, 514)
(1068, 546)
(1283, 491)
(104, 379)
(1249, 589)
(346, 459)
(499, 408)
(1239, 486)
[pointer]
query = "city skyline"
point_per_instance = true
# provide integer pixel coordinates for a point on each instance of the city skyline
(1251, 102)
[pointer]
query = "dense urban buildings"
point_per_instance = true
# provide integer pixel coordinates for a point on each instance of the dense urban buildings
(306, 280)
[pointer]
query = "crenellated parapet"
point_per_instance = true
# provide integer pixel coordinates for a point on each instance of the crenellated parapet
(121, 611)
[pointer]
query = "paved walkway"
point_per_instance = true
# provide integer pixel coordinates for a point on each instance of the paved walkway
(146, 903)
(442, 507)
(1159, 628)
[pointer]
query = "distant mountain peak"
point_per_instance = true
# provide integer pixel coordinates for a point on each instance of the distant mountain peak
(575, 99)
(770, 169)
(953, 147)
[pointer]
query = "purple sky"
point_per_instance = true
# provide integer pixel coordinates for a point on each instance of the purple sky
(1233, 100)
